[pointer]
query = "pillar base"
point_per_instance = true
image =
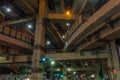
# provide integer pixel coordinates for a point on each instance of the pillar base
(37, 76)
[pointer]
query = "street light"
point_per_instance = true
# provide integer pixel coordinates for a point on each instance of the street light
(63, 36)
(68, 69)
(74, 72)
(29, 26)
(68, 13)
(53, 62)
(8, 9)
(92, 75)
(67, 24)
(48, 42)
(52, 65)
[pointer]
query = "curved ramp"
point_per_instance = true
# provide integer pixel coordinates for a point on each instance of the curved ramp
(76, 33)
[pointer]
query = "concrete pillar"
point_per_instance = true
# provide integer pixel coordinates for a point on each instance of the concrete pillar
(115, 59)
(39, 43)
(97, 70)
(110, 68)
(109, 61)
(62, 6)
(52, 72)
(64, 70)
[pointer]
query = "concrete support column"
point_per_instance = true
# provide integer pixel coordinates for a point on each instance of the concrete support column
(52, 72)
(115, 59)
(97, 70)
(110, 68)
(62, 6)
(39, 43)
(64, 70)
(109, 61)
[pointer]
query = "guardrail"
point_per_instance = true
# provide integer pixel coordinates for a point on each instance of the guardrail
(25, 37)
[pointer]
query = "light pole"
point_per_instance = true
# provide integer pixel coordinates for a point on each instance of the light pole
(52, 63)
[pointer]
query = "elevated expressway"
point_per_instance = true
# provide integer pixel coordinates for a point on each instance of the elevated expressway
(96, 29)
(102, 26)
(59, 56)
(10, 37)
(12, 41)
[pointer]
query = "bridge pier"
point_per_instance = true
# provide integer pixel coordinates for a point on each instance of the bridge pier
(39, 43)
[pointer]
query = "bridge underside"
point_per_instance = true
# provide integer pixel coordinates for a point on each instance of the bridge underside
(59, 39)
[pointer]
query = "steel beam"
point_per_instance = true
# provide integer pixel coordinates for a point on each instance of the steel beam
(76, 56)
(78, 6)
(58, 33)
(28, 5)
(61, 16)
(10, 22)
(59, 56)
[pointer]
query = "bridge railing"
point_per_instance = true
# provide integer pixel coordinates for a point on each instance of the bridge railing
(79, 21)
(25, 37)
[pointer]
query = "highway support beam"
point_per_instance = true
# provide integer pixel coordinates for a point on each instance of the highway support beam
(39, 50)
